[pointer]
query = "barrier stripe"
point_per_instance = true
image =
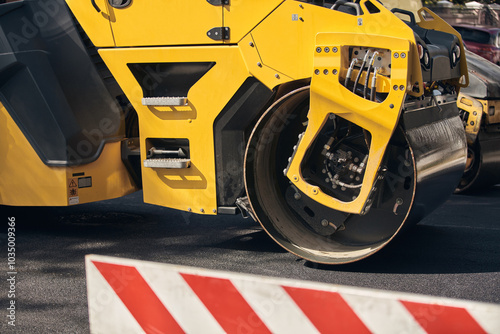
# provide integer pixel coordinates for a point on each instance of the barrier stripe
(183, 304)
(384, 316)
(139, 296)
(489, 321)
(105, 307)
(327, 310)
(139, 299)
(437, 319)
(275, 307)
(225, 303)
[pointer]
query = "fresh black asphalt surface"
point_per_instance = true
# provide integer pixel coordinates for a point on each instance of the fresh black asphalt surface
(454, 253)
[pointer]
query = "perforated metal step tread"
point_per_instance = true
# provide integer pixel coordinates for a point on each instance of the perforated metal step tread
(164, 101)
(167, 163)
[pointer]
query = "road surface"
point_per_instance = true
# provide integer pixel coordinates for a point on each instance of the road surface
(452, 253)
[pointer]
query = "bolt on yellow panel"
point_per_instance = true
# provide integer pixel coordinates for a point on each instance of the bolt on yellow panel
(268, 76)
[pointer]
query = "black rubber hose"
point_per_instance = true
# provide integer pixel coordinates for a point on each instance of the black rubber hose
(360, 71)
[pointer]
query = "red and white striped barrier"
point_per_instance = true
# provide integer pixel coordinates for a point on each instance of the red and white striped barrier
(130, 296)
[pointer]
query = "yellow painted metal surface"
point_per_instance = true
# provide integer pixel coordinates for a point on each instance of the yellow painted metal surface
(190, 188)
(291, 48)
(285, 44)
(96, 24)
(242, 16)
(475, 110)
(381, 30)
(160, 22)
(288, 55)
(491, 110)
(268, 76)
(110, 178)
(26, 181)
(329, 96)
(276, 42)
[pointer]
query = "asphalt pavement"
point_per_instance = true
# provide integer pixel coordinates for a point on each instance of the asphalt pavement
(453, 253)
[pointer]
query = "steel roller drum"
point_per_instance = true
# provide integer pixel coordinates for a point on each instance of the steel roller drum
(423, 163)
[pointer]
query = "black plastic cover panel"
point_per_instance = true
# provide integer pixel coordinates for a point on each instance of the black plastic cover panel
(50, 86)
(484, 77)
(168, 79)
(231, 132)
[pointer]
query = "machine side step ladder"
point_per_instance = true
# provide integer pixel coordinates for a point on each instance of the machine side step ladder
(171, 159)
(164, 101)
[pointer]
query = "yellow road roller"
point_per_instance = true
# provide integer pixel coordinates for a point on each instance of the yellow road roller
(333, 124)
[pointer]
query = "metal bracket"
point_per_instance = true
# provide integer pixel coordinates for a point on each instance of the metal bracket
(219, 33)
(245, 208)
(218, 2)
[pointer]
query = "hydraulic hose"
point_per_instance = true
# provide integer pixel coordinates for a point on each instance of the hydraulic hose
(373, 92)
(349, 72)
(365, 89)
(365, 59)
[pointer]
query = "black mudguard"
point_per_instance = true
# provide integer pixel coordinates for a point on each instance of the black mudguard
(50, 86)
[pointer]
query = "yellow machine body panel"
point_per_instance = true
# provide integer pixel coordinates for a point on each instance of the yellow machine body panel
(242, 16)
(157, 22)
(254, 63)
(369, 31)
(491, 111)
(295, 25)
(190, 188)
(272, 64)
(329, 96)
(475, 111)
(26, 181)
(96, 24)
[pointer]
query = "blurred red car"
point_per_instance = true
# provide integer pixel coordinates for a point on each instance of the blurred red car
(482, 40)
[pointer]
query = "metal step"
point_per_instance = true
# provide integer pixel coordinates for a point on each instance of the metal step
(167, 163)
(164, 101)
